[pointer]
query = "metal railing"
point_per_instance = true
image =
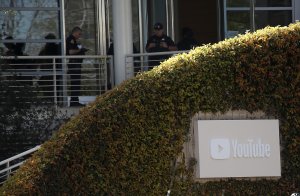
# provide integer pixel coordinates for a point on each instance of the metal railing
(9, 166)
(55, 79)
(136, 63)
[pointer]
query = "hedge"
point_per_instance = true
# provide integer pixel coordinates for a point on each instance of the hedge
(126, 141)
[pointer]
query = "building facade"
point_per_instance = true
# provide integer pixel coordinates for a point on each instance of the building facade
(130, 21)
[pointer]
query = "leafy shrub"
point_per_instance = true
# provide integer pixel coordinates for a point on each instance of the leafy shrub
(24, 121)
(124, 142)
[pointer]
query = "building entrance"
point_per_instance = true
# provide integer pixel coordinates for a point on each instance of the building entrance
(201, 16)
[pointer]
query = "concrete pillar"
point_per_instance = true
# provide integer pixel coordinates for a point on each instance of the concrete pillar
(122, 36)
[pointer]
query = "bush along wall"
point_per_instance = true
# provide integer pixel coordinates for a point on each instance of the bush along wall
(124, 143)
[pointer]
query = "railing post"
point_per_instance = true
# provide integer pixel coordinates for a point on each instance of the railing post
(8, 171)
(54, 81)
(112, 71)
(142, 63)
(105, 72)
(99, 74)
(65, 82)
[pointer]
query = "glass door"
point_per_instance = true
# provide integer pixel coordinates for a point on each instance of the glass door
(163, 12)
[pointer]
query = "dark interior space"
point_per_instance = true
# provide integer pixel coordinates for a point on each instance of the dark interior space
(202, 17)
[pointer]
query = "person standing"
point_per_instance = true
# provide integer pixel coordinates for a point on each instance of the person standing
(188, 41)
(74, 66)
(19, 66)
(10, 47)
(46, 82)
(159, 42)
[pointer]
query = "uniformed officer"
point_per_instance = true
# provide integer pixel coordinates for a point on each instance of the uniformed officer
(74, 66)
(159, 42)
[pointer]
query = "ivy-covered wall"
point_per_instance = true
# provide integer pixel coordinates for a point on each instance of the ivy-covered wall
(125, 142)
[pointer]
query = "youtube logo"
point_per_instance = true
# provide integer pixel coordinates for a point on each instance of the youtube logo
(220, 148)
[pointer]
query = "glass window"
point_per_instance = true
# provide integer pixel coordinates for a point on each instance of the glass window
(238, 3)
(266, 13)
(238, 21)
(31, 49)
(135, 25)
(272, 18)
(29, 24)
(28, 3)
(273, 3)
(82, 14)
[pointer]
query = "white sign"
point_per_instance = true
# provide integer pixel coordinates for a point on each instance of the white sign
(238, 148)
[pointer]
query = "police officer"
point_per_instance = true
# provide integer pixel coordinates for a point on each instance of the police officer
(159, 42)
(74, 66)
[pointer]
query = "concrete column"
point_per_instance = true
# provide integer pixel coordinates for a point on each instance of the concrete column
(122, 36)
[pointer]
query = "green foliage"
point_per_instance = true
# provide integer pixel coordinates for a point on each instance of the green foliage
(125, 142)
(22, 125)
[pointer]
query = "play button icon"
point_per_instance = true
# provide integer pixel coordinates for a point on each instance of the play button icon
(220, 148)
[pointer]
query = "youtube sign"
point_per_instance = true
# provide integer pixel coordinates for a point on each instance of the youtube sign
(237, 148)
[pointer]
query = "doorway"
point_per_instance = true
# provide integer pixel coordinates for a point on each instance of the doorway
(202, 17)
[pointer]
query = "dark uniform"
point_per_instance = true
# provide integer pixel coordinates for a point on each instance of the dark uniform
(20, 66)
(188, 42)
(155, 60)
(46, 83)
(74, 68)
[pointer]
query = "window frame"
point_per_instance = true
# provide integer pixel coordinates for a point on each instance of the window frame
(252, 9)
(61, 26)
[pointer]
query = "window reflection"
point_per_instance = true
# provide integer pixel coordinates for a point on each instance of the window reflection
(238, 3)
(29, 24)
(28, 3)
(273, 3)
(260, 3)
(82, 14)
(272, 18)
(31, 49)
(135, 25)
(238, 21)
